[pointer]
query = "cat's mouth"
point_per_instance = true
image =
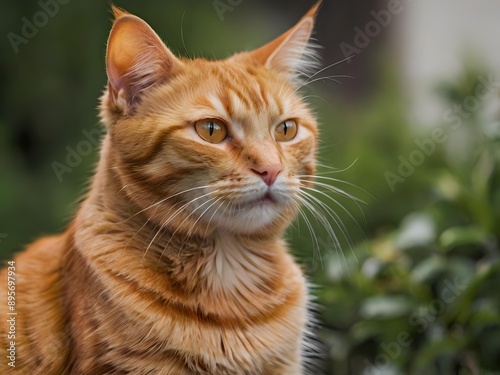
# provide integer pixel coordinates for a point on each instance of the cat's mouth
(265, 200)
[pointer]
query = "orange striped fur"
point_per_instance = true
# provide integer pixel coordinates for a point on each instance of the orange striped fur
(175, 262)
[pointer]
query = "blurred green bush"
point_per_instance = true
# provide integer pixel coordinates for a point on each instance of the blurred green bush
(419, 294)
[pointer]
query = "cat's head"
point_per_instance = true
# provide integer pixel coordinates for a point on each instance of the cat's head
(201, 144)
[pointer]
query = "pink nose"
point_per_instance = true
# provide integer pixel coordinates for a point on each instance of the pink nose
(269, 173)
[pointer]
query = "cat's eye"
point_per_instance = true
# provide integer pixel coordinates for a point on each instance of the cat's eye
(286, 131)
(213, 131)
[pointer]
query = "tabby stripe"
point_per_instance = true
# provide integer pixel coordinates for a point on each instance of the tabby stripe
(153, 149)
(227, 103)
(186, 313)
(229, 85)
(263, 94)
(279, 105)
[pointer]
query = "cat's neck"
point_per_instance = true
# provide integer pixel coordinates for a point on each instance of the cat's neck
(106, 191)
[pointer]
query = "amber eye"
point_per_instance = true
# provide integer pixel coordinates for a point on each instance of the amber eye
(213, 131)
(286, 131)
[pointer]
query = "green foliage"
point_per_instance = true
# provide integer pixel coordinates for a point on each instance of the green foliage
(420, 297)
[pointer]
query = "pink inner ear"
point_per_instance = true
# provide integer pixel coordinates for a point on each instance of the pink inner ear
(288, 55)
(120, 56)
(136, 57)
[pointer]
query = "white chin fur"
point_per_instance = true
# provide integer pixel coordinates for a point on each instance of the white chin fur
(251, 219)
(251, 215)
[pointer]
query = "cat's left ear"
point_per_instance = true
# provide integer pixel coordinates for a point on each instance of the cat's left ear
(292, 51)
(136, 59)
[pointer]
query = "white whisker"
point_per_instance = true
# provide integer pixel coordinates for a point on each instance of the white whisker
(176, 213)
(316, 247)
(336, 218)
(309, 79)
(203, 213)
(186, 219)
(331, 233)
(164, 200)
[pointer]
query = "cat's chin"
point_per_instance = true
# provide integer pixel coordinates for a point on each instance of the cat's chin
(251, 221)
(266, 200)
(261, 215)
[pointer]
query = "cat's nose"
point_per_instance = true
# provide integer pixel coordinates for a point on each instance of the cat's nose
(269, 173)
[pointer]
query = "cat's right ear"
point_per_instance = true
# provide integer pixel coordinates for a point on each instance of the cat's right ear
(136, 59)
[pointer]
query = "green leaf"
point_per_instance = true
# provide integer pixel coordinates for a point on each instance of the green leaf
(459, 236)
(429, 269)
(384, 307)
(489, 347)
(365, 330)
(466, 298)
(486, 314)
(417, 229)
(437, 350)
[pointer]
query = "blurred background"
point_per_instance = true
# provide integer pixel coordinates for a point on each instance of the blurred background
(410, 177)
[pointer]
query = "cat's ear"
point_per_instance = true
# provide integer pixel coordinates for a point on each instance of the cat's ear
(292, 52)
(136, 58)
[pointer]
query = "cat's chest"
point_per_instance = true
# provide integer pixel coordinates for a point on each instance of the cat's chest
(249, 309)
(272, 340)
(234, 265)
(222, 337)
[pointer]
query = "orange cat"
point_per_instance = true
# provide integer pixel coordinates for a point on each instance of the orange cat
(175, 262)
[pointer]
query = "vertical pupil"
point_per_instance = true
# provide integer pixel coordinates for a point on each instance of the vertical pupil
(285, 128)
(211, 128)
